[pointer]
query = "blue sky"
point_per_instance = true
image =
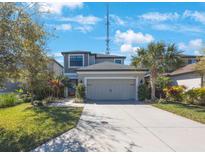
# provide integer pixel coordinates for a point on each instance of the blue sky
(81, 26)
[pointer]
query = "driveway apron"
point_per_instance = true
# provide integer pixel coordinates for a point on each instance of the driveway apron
(129, 127)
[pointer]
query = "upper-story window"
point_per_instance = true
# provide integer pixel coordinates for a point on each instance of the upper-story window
(118, 61)
(76, 60)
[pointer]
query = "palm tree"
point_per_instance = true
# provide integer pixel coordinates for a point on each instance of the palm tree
(200, 67)
(158, 58)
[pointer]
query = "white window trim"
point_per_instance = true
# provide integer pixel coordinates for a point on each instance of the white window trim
(75, 55)
(118, 59)
(134, 78)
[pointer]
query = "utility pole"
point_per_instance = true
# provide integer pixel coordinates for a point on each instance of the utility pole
(108, 31)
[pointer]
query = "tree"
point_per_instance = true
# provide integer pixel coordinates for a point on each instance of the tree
(22, 46)
(200, 66)
(10, 40)
(34, 68)
(158, 58)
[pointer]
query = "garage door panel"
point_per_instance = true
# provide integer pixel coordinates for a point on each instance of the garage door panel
(111, 89)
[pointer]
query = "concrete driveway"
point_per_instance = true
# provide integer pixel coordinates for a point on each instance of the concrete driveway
(129, 127)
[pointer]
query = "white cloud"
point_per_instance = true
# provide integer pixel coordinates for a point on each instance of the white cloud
(84, 20)
(196, 15)
(195, 45)
(177, 28)
(56, 55)
(58, 6)
(128, 48)
(64, 27)
(130, 37)
(84, 28)
(156, 16)
(117, 20)
(85, 23)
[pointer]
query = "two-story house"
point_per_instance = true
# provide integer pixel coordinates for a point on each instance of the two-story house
(105, 77)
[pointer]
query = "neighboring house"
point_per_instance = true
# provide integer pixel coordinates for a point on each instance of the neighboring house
(55, 67)
(104, 76)
(189, 59)
(186, 59)
(188, 77)
(9, 87)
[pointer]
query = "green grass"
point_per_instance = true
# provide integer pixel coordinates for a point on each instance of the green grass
(193, 112)
(24, 127)
(9, 99)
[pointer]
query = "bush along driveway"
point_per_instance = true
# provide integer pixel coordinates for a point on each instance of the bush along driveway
(24, 127)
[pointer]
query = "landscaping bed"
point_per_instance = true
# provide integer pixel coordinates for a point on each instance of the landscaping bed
(193, 112)
(9, 99)
(24, 127)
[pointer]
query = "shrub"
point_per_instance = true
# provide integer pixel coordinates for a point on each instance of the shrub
(79, 100)
(10, 99)
(161, 83)
(48, 100)
(37, 103)
(195, 96)
(174, 93)
(26, 97)
(80, 91)
(143, 92)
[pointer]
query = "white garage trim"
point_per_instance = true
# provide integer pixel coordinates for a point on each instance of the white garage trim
(136, 82)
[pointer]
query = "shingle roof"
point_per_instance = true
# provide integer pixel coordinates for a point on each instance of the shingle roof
(98, 55)
(109, 66)
(186, 69)
(189, 56)
(75, 51)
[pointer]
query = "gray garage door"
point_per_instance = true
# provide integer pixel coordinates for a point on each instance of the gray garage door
(111, 89)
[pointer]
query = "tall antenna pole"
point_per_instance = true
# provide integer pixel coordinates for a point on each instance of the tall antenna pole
(107, 26)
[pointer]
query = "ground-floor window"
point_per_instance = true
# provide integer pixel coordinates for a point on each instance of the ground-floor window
(71, 88)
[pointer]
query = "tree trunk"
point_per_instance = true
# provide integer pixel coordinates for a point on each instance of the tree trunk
(153, 76)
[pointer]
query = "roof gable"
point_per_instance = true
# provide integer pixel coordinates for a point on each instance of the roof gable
(186, 69)
(109, 66)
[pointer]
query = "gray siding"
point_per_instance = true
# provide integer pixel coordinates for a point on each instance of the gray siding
(73, 70)
(66, 63)
(189, 80)
(100, 60)
(89, 59)
(86, 60)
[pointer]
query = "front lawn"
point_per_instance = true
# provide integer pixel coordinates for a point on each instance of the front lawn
(24, 127)
(193, 112)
